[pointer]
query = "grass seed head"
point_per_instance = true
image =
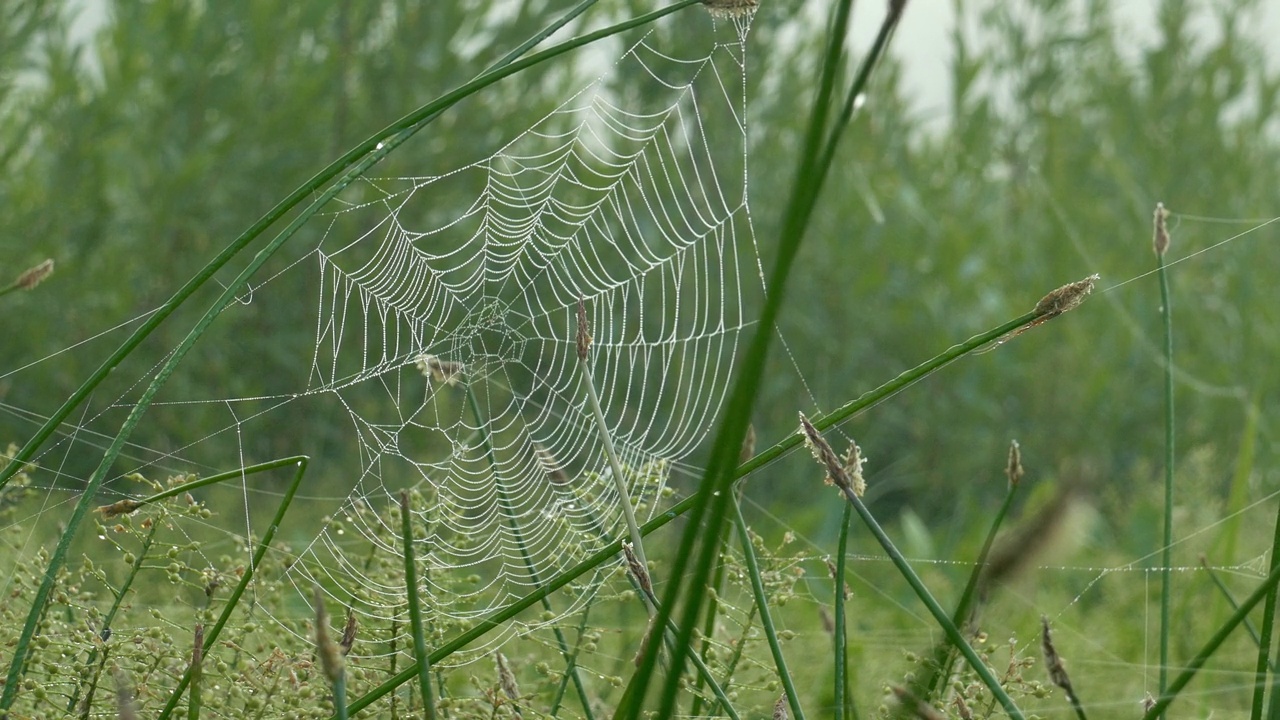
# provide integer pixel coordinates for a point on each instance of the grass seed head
(584, 331)
(33, 276)
(326, 650)
(1160, 240)
(506, 678)
(730, 8)
(1013, 470)
(637, 568)
(550, 465)
(348, 633)
(120, 507)
(780, 711)
(837, 471)
(1053, 662)
(1066, 298)
(748, 450)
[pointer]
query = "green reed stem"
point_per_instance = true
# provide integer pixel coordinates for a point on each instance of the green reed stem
(415, 609)
(1166, 554)
(766, 617)
(1264, 644)
(843, 690)
(233, 599)
(1215, 642)
(619, 482)
(194, 699)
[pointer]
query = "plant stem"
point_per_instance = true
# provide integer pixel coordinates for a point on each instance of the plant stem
(1166, 555)
(415, 610)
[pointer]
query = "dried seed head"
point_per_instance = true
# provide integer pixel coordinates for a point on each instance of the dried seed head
(961, 708)
(121, 507)
(730, 8)
(445, 372)
(33, 276)
(1014, 469)
(584, 331)
(643, 650)
(506, 678)
(780, 710)
(838, 473)
(197, 654)
(914, 705)
(853, 462)
(348, 633)
(1053, 662)
(1148, 702)
(1068, 297)
(831, 569)
(1160, 241)
(330, 658)
(828, 623)
(637, 568)
(550, 465)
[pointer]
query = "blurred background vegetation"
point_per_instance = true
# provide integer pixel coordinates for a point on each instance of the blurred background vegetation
(134, 157)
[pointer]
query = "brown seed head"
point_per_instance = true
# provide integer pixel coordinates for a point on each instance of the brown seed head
(1068, 297)
(330, 658)
(837, 474)
(550, 465)
(584, 331)
(1160, 241)
(780, 708)
(748, 450)
(197, 654)
(730, 8)
(348, 633)
(506, 678)
(1014, 469)
(33, 276)
(1053, 662)
(637, 568)
(853, 462)
(120, 507)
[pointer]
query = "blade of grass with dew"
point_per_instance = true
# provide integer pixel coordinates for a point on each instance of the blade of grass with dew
(936, 674)
(867, 400)
(372, 151)
(415, 609)
(711, 507)
(1214, 643)
(845, 707)
(233, 600)
(508, 509)
(766, 617)
(837, 474)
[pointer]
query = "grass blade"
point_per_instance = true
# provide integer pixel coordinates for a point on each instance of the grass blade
(766, 618)
(1166, 555)
(415, 610)
(843, 691)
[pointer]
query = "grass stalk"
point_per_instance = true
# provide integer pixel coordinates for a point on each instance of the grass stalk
(233, 600)
(845, 708)
(1161, 244)
(415, 610)
(330, 659)
(1212, 645)
(766, 617)
(619, 482)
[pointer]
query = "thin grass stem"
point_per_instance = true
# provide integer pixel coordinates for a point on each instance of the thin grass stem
(845, 708)
(766, 617)
(415, 609)
(1264, 642)
(1166, 553)
(194, 698)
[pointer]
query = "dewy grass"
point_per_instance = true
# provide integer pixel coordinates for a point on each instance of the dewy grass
(417, 626)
